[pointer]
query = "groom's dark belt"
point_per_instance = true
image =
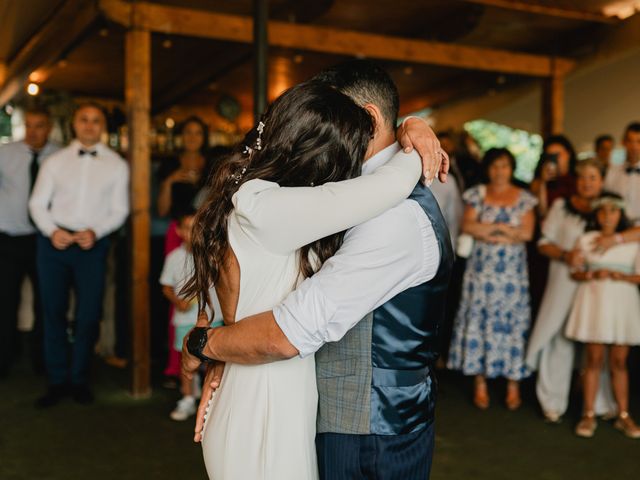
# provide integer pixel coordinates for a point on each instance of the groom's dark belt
(385, 377)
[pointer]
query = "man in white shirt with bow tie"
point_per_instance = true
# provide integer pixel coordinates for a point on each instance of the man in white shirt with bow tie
(80, 197)
(625, 179)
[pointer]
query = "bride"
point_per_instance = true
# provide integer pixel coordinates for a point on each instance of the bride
(256, 237)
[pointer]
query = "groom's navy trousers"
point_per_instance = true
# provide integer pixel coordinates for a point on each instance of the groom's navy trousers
(376, 457)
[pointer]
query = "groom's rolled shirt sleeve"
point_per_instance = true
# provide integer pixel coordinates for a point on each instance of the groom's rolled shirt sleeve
(378, 259)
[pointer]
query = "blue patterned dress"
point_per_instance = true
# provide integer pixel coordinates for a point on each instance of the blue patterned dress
(493, 320)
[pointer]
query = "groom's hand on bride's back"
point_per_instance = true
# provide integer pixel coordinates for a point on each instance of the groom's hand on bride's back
(416, 133)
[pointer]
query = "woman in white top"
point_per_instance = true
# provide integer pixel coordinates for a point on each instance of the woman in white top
(255, 239)
(549, 351)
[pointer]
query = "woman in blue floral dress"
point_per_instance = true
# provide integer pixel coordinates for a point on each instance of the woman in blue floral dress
(494, 316)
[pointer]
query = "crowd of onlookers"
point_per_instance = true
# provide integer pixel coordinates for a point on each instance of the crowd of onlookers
(545, 278)
(546, 275)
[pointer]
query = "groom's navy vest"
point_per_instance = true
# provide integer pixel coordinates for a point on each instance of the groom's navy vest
(378, 379)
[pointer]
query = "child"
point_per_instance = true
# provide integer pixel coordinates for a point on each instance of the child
(606, 312)
(177, 269)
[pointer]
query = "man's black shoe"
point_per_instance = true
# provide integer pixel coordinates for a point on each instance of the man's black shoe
(54, 394)
(81, 394)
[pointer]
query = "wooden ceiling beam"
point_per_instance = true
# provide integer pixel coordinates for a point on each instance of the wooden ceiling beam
(538, 9)
(59, 34)
(455, 89)
(189, 22)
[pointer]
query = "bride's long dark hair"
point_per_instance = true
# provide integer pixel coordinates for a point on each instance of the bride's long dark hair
(312, 135)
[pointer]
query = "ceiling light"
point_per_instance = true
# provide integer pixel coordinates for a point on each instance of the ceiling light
(622, 9)
(33, 89)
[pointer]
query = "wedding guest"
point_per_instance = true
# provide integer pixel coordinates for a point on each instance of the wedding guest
(448, 144)
(549, 351)
(450, 202)
(625, 179)
(493, 319)
(470, 160)
(603, 147)
(19, 165)
(179, 189)
(80, 197)
(555, 174)
(554, 178)
(178, 194)
(605, 313)
(177, 270)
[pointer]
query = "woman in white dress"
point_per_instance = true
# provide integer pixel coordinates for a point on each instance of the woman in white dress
(606, 313)
(255, 239)
(549, 351)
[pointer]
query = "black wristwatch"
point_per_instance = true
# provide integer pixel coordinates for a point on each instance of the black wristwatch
(196, 343)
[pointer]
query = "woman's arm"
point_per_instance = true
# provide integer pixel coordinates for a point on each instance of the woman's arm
(582, 276)
(180, 304)
(539, 189)
(164, 196)
(523, 232)
(553, 251)
(626, 277)
(285, 219)
(471, 225)
(605, 242)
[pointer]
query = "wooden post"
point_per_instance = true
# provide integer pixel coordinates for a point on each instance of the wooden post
(553, 104)
(138, 101)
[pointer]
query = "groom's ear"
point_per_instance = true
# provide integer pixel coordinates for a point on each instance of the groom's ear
(376, 114)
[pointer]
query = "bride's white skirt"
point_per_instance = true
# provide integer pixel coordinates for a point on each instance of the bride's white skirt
(262, 423)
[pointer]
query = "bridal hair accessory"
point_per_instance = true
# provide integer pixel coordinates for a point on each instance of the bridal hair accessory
(238, 176)
(257, 145)
(258, 142)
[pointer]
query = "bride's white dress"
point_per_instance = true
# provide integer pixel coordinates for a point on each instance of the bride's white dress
(262, 419)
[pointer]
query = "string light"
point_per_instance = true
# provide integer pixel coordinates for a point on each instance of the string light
(33, 89)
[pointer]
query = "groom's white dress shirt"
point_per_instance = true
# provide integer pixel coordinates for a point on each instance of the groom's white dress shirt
(379, 259)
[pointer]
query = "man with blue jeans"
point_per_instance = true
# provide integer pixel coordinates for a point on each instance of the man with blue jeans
(80, 197)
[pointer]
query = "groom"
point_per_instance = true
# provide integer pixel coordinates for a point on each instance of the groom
(371, 313)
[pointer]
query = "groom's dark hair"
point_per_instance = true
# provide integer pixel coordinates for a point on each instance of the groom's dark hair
(365, 82)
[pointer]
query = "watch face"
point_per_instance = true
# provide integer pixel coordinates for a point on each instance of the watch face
(195, 340)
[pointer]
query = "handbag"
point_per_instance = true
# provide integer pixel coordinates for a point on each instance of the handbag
(464, 243)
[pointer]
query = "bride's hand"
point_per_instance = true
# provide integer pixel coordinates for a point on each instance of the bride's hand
(416, 133)
(211, 382)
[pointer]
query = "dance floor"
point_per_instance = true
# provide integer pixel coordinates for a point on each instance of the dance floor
(119, 438)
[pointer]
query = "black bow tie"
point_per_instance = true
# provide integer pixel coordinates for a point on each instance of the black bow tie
(82, 152)
(631, 170)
